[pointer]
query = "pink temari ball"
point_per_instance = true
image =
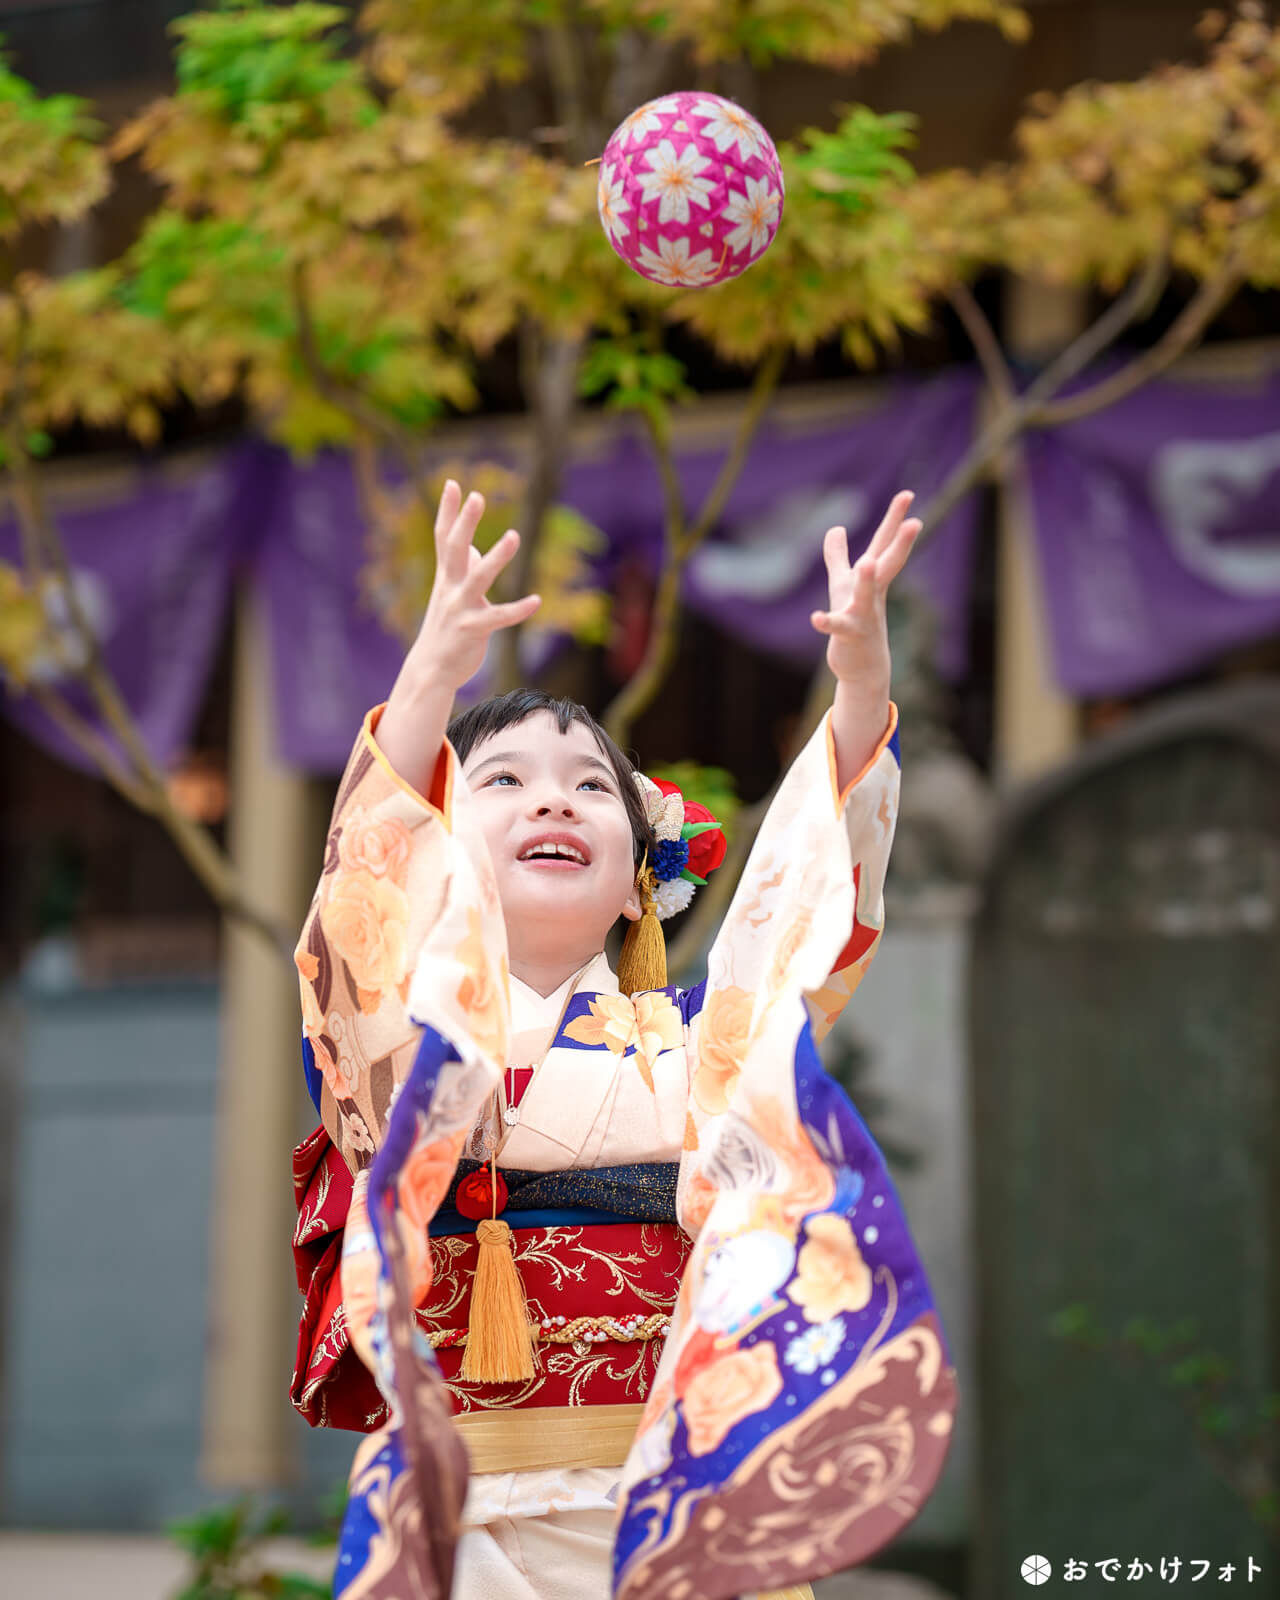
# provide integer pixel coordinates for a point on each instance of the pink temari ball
(690, 190)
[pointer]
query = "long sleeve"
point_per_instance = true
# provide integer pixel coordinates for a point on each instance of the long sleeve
(385, 873)
(802, 1408)
(804, 922)
(383, 881)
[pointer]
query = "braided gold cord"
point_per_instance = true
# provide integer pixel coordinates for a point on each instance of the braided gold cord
(589, 1330)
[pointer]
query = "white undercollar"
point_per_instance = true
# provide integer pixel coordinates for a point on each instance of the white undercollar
(529, 1009)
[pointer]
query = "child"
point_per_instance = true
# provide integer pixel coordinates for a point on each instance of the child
(688, 1336)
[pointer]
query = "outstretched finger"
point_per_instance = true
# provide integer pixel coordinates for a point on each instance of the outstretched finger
(512, 612)
(835, 552)
(458, 539)
(485, 570)
(447, 510)
(884, 534)
(891, 563)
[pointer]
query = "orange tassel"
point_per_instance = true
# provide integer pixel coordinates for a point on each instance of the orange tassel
(499, 1347)
(643, 962)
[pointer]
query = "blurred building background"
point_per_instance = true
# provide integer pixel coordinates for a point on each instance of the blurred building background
(1069, 850)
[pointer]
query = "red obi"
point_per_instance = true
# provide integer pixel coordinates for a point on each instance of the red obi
(600, 1295)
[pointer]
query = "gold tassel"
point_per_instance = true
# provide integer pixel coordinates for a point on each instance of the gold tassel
(499, 1347)
(643, 961)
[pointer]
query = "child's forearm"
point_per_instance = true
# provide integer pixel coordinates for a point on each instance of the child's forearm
(859, 718)
(411, 730)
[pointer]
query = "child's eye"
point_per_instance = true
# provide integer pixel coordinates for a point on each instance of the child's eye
(498, 775)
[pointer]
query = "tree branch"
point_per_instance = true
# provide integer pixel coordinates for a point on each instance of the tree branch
(1011, 419)
(549, 376)
(92, 743)
(340, 394)
(640, 691)
(986, 346)
(195, 844)
(1186, 331)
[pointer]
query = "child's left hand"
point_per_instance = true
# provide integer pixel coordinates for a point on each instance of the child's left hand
(858, 651)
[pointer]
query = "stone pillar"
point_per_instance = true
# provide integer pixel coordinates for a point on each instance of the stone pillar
(252, 1294)
(1036, 724)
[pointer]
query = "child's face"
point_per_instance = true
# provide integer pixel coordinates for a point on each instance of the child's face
(531, 780)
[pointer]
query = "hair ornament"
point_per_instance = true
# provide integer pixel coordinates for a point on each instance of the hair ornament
(690, 844)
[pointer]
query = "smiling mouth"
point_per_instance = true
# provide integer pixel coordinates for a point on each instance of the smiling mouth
(556, 863)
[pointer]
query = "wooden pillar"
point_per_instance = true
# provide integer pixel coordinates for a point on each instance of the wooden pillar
(1036, 724)
(252, 1295)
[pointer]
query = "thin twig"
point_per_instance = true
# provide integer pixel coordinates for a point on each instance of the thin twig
(986, 346)
(549, 376)
(92, 743)
(341, 394)
(766, 381)
(1013, 418)
(641, 689)
(194, 843)
(1187, 329)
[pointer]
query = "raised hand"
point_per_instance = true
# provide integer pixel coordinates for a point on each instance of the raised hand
(858, 648)
(459, 619)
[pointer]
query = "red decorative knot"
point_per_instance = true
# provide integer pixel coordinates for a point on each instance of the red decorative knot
(475, 1195)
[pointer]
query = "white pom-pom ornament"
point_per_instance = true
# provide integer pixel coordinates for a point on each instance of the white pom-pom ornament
(672, 896)
(690, 190)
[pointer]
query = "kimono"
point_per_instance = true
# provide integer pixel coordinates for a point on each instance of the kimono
(741, 1381)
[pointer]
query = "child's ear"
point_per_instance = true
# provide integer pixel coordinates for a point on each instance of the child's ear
(632, 909)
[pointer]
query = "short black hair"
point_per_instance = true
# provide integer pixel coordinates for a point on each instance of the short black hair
(482, 721)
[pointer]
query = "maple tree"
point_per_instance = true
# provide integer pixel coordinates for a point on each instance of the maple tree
(334, 244)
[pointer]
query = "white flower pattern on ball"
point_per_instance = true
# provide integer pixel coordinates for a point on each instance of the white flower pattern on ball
(674, 180)
(672, 264)
(645, 119)
(682, 176)
(755, 214)
(728, 124)
(611, 203)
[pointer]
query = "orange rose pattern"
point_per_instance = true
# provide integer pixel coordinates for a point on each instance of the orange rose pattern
(382, 849)
(723, 1034)
(426, 1175)
(720, 1395)
(366, 921)
(483, 1005)
(831, 1275)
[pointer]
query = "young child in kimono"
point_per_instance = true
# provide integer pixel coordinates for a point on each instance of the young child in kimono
(727, 1374)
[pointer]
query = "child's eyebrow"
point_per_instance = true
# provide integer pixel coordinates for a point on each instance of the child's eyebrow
(523, 755)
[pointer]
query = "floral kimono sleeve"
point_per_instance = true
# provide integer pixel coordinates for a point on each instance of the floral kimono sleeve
(408, 1481)
(393, 859)
(803, 1406)
(386, 875)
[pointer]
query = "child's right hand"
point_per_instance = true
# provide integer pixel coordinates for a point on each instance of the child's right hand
(455, 630)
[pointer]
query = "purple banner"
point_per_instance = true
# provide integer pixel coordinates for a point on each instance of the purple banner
(154, 562)
(764, 574)
(1158, 528)
(331, 657)
(151, 557)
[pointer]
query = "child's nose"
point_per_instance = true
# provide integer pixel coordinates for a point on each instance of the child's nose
(555, 799)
